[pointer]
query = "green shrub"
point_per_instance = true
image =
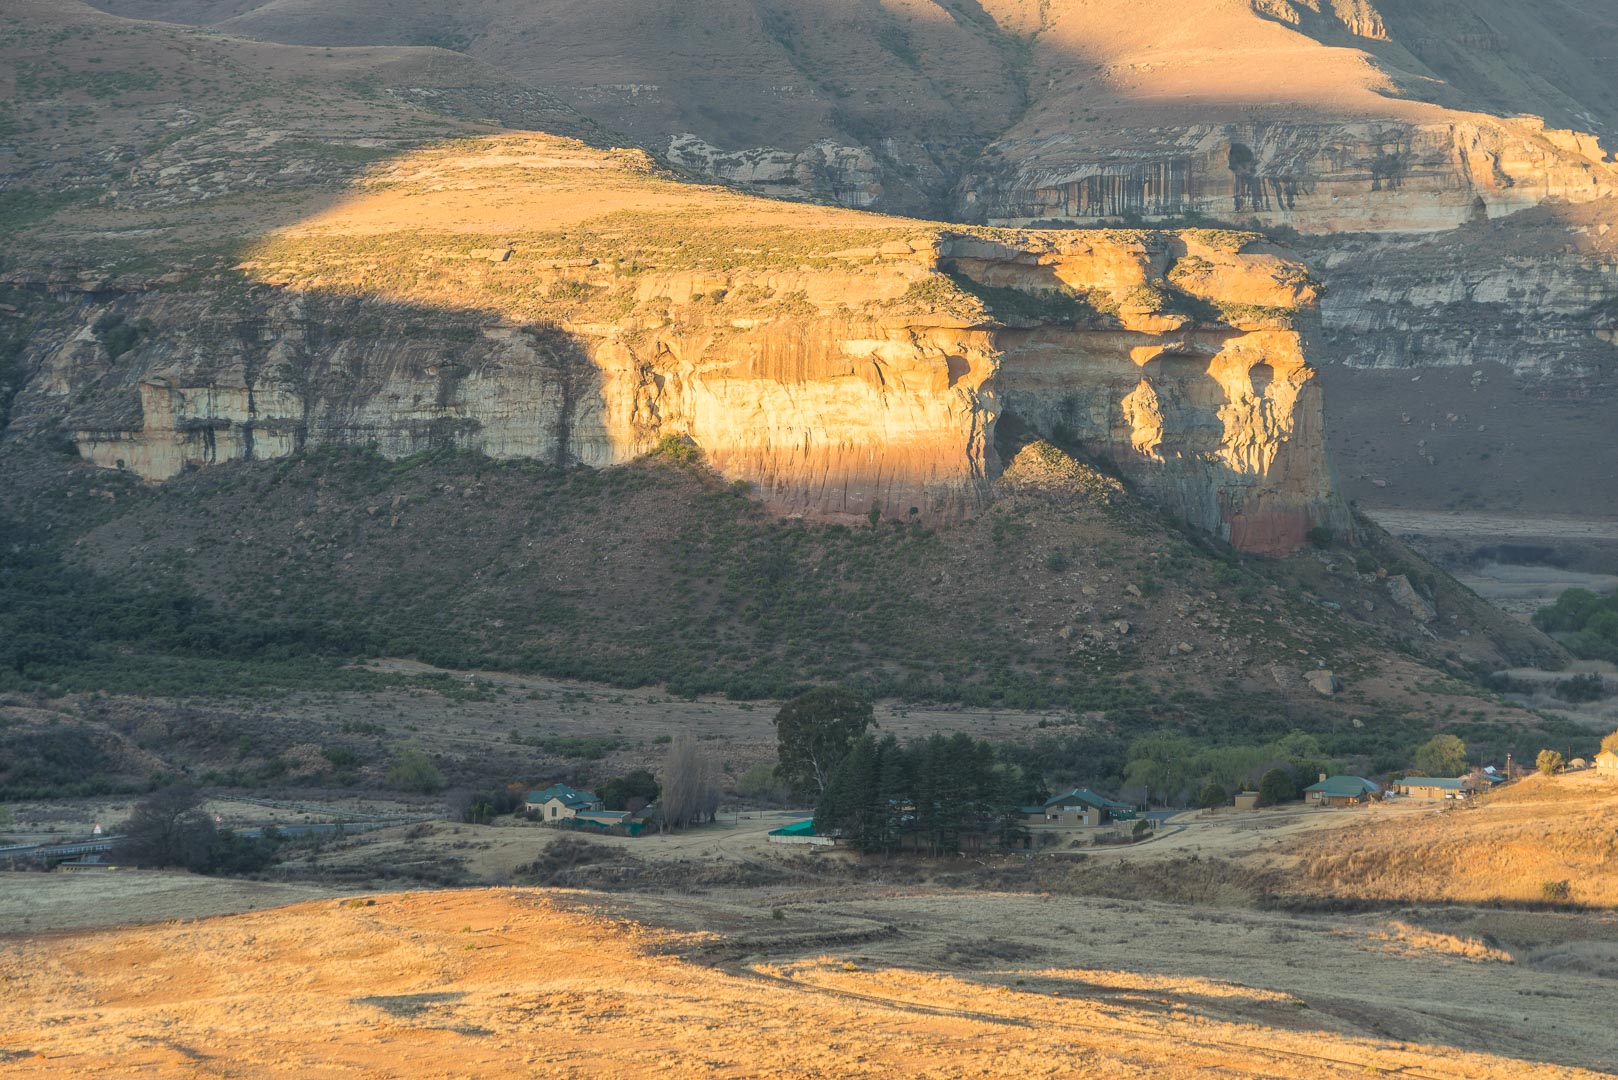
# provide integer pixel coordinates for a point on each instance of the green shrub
(1276, 787)
(413, 770)
(1581, 688)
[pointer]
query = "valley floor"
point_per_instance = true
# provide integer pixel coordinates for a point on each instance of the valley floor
(713, 953)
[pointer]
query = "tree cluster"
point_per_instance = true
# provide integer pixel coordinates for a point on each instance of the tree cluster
(934, 790)
(1586, 622)
(480, 807)
(169, 828)
(634, 790)
(690, 787)
(1172, 766)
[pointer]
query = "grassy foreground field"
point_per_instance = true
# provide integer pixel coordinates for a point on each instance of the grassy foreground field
(1202, 952)
(488, 983)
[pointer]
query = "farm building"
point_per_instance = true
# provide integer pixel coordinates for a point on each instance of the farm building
(1341, 791)
(799, 832)
(1607, 764)
(560, 801)
(1078, 806)
(612, 822)
(1437, 787)
(1247, 800)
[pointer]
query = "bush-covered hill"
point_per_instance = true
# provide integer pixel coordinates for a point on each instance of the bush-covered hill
(1069, 593)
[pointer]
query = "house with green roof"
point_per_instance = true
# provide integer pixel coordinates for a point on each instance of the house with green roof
(559, 802)
(1341, 791)
(1077, 806)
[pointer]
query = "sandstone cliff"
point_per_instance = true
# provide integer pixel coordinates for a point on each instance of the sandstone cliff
(1404, 138)
(1387, 175)
(866, 364)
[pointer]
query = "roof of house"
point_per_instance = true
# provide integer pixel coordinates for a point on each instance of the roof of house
(610, 816)
(1088, 798)
(1344, 786)
(569, 796)
(797, 828)
(1608, 755)
(1448, 783)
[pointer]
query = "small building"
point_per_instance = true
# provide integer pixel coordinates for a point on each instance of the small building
(1247, 800)
(799, 832)
(1341, 791)
(1078, 806)
(1437, 787)
(612, 822)
(559, 801)
(1607, 764)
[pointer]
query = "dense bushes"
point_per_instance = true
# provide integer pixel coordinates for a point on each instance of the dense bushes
(59, 620)
(65, 759)
(1585, 622)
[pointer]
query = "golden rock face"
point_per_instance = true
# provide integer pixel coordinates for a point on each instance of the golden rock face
(834, 361)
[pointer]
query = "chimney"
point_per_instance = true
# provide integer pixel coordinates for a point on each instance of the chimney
(1323, 778)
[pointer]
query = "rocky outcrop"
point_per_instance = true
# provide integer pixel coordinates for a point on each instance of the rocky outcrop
(879, 380)
(848, 175)
(1316, 177)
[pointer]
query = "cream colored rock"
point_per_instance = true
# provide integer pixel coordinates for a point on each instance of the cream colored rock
(1401, 175)
(850, 396)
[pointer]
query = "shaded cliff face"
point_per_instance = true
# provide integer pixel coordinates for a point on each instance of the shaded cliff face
(847, 363)
(1013, 110)
(1387, 175)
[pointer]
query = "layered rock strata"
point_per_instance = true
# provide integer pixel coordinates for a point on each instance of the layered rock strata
(1317, 177)
(880, 383)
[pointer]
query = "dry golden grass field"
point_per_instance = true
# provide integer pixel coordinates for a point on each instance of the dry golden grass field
(528, 982)
(1203, 952)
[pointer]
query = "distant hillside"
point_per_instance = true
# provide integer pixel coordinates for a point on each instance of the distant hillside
(1450, 160)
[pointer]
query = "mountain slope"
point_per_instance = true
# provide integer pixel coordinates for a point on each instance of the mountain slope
(352, 301)
(1480, 124)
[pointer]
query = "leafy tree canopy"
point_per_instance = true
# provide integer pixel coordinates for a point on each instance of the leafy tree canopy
(637, 785)
(1441, 755)
(1276, 786)
(814, 732)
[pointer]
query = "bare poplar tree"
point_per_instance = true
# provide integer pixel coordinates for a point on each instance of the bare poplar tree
(690, 788)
